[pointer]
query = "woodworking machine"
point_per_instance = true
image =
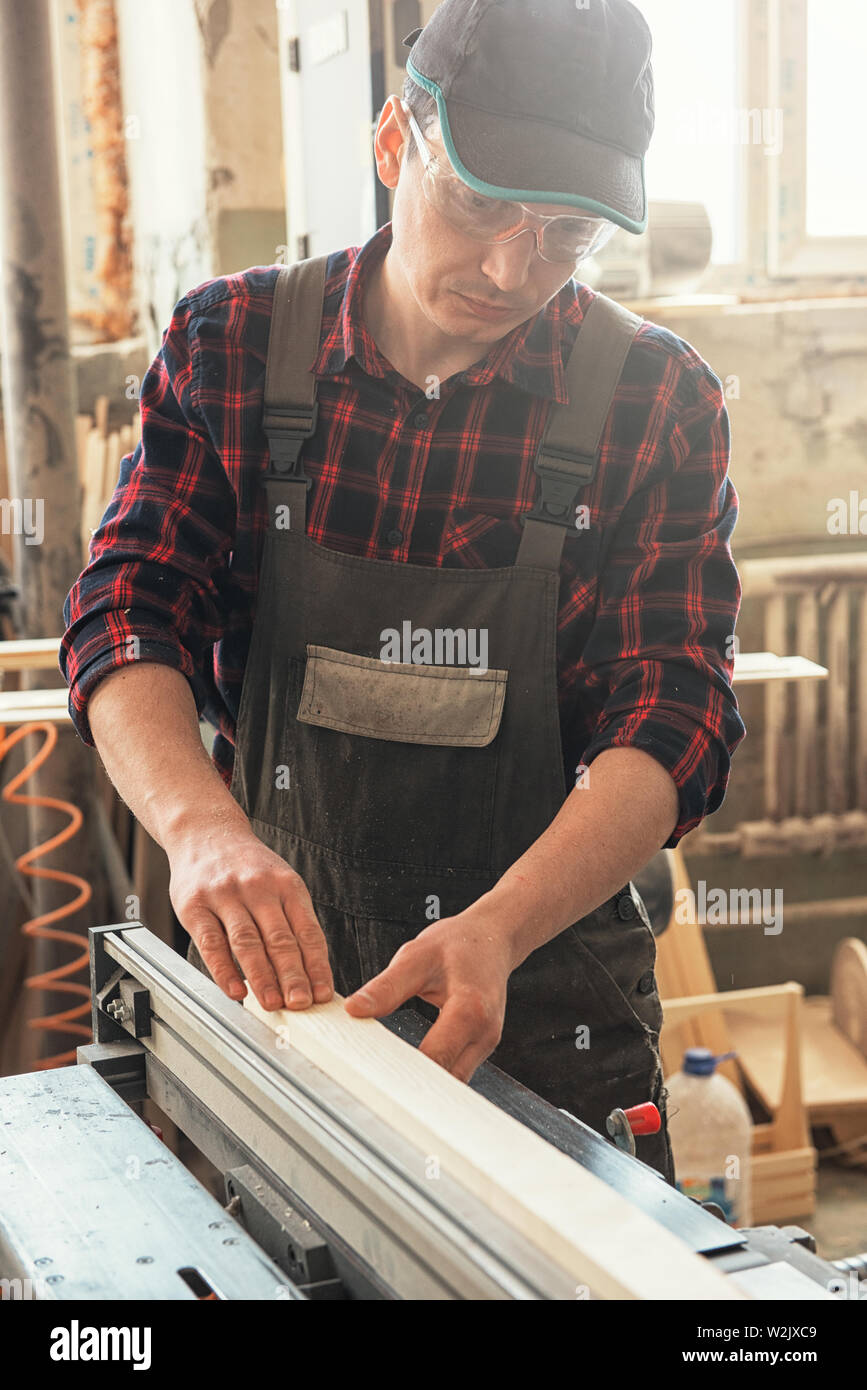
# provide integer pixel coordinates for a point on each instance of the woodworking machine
(324, 1200)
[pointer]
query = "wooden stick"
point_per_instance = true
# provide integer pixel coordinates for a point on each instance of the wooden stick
(579, 1222)
(839, 743)
(807, 710)
(83, 427)
(101, 412)
(39, 655)
(776, 697)
(793, 573)
(111, 468)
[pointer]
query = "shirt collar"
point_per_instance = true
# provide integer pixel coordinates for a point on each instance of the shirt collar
(530, 357)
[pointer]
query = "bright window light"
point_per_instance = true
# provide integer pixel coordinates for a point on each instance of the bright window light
(836, 55)
(695, 154)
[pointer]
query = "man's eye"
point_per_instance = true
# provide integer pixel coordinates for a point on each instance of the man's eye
(474, 202)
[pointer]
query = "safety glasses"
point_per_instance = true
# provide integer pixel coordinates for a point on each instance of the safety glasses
(495, 220)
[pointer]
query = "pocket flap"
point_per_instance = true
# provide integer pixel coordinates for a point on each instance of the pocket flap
(439, 705)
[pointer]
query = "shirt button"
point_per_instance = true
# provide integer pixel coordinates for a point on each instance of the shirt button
(625, 908)
(421, 420)
(394, 537)
(646, 983)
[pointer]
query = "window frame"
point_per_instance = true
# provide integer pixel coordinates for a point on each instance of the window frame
(791, 251)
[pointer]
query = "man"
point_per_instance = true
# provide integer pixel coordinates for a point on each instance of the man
(457, 833)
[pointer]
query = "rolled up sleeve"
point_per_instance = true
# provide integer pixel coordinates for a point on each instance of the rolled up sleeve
(661, 653)
(151, 588)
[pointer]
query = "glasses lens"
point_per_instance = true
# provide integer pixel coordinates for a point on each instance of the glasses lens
(492, 219)
(575, 238)
(485, 219)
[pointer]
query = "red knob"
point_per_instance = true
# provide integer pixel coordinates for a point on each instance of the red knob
(644, 1119)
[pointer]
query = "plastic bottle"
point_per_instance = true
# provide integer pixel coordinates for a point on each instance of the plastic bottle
(711, 1136)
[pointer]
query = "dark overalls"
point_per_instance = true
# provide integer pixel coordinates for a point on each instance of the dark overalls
(401, 793)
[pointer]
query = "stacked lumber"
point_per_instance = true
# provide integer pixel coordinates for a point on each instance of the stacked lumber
(99, 452)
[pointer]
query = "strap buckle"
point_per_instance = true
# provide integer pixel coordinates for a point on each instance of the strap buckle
(287, 433)
(560, 486)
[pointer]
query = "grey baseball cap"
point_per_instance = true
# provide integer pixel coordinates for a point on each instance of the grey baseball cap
(543, 101)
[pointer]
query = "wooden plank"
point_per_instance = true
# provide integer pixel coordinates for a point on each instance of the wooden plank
(834, 1072)
(92, 508)
(41, 654)
(575, 1219)
(776, 780)
(798, 573)
(754, 668)
(83, 427)
(111, 468)
(771, 1212)
(839, 746)
(101, 413)
(683, 968)
(25, 706)
(807, 710)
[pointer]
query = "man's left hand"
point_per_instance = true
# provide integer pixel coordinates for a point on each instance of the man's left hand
(461, 965)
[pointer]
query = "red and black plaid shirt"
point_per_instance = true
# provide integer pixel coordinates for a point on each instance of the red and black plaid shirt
(649, 593)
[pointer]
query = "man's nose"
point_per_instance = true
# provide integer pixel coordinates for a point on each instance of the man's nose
(507, 263)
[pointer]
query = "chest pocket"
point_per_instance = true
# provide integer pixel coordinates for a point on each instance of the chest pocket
(480, 540)
(394, 763)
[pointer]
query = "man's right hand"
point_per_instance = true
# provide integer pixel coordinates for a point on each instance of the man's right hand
(237, 898)
(232, 894)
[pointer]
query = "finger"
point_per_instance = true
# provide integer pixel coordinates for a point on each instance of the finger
(466, 1066)
(310, 938)
(248, 948)
(283, 953)
(406, 976)
(213, 946)
(461, 1038)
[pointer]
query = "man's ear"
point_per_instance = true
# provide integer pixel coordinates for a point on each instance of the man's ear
(390, 142)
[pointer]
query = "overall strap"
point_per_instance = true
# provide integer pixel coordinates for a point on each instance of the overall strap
(569, 454)
(290, 387)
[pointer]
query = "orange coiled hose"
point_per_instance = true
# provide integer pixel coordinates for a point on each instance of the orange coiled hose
(56, 980)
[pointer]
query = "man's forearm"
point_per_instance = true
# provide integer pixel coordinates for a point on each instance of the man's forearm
(605, 832)
(144, 723)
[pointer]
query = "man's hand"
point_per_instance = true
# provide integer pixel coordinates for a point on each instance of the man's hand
(237, 898)
(462, 965)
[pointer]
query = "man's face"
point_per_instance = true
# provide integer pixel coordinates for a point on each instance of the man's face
(466, 288)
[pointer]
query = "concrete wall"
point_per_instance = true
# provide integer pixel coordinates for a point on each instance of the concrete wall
(163, 98)
(795, 375)
(202, 110)
(246, 200)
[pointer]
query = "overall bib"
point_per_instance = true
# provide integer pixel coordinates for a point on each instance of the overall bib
(401, 792)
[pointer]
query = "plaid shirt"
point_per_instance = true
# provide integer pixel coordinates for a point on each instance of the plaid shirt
(649, 593)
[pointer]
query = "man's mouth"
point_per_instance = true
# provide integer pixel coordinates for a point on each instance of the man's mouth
(485, 309)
